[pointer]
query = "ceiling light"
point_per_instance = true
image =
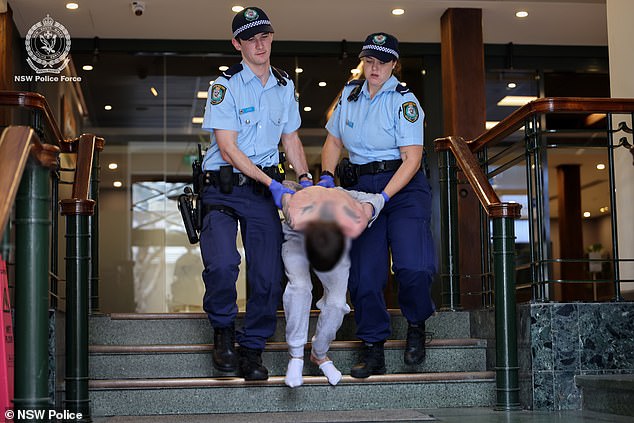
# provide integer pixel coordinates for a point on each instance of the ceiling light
(521, 13)
(404, 84)
(72, 6)
(223, 68)
(117, 184)
(490, 124)
(197, 120)
(516, 100)
(87, 67)
(586, 214)
(107, 107)
(154, 92)
(355, 71)
(201, 94)
(308, 109)
(600, 166)
(237, 9)
(423, 72)
(299, 70)
(511, 85)
(322, 84)
(212, 82)
(398, 12)
(112, 166)
(604, 209)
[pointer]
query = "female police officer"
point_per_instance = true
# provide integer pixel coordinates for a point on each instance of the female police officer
(380, 123)
(248, 110)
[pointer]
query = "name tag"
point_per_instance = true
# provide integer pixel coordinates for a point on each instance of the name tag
(246, 110)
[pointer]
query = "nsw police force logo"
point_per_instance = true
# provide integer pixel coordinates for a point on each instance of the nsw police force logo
(251, 15)
(48, 44)
(410, 111)
(379, 39)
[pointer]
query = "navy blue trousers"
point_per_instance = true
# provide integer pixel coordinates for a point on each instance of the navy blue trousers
(261, 232)
(403, 227)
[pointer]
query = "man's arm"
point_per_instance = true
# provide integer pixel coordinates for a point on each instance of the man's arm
(227, 144)
(372, 203)
(295, 152)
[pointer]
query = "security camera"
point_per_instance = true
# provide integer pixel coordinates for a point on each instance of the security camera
(138, 7)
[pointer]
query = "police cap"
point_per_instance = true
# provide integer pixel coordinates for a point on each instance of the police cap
(249, 22)
(381, 46)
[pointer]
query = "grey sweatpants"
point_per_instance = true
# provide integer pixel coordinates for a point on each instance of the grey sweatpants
(298, 297)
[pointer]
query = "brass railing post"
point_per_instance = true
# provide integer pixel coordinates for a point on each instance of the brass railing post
(450, 273)
(503, 250)
(77, 212)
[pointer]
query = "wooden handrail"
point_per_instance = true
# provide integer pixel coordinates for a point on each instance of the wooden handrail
(37, 102)
(517, 119)
(16, 143)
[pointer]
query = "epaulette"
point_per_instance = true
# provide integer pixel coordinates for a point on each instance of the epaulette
(356, 91)
(280, 75)
(234, 69)
(401, 89)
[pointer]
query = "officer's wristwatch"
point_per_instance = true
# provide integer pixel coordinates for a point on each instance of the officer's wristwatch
(306, 175)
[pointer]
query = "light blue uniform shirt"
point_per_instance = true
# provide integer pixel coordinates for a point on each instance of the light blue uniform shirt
(260, 115)
(374, 129)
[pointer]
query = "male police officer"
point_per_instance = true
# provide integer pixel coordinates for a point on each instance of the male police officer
(249, 108)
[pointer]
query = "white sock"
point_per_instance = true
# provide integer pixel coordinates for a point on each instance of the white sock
(294, 372)
(330, 371)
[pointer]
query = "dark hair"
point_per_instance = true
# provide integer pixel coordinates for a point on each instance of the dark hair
(324, 244)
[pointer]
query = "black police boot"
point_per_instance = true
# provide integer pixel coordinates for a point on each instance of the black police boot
(224, 354)
(250, 363)
(371, 361)
(415, 345)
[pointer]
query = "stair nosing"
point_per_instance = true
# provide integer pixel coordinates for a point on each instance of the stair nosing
(274, 346)
(207, 382)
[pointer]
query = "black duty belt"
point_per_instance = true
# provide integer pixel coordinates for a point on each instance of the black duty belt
(377, 167)
(212, 177)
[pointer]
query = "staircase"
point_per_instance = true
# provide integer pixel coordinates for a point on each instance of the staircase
(151, 364)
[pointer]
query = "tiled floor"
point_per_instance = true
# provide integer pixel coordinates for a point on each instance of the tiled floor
(446, 415)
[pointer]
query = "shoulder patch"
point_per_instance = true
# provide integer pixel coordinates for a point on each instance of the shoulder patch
(217, 94)
(355, 82)
(410, 111)
(401, 89)
(280, 75)
(234, 69)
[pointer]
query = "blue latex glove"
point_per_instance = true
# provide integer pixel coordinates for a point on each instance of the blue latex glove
(326, 181)
(278, 190)
(385, 196)
(306, 183)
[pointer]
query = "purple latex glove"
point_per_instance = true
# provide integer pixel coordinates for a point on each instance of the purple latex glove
(326, 181)
(278, 190)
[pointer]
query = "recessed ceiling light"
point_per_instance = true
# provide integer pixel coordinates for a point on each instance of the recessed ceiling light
(72, 6)
(600, 166)
(299, 70)
(308, 109)
(404, 84)
(223, 68)
(112, 166)
(212, 82)
(154, 92)
(604, 209)
(237, 9)
(423, 72)
(355, 71)
(398, 12)
(322, 84)
(87, 67)
(511, 85)
(117, 184)
(201, 94)
(197, 119)
(107, 107)
(516, 100)
(586, 214)
(490, 124)
(521, 13)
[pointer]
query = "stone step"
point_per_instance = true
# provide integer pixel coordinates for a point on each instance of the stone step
(194, 328)
(180, 361)
(233, 395)
(607, 393)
